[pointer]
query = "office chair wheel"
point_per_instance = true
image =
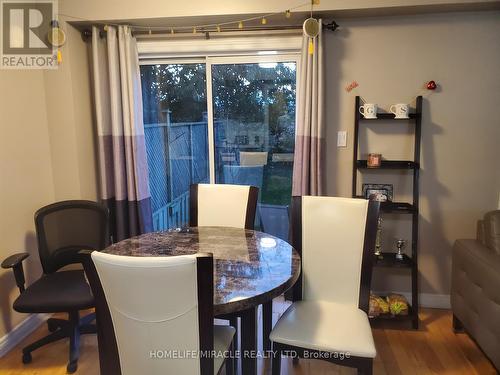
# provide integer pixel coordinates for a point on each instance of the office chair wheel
(72, 366)
(27, 358)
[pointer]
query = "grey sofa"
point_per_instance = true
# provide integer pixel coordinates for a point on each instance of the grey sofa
(475, 291)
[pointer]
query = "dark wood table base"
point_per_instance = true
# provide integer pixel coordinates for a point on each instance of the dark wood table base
(250, 269)
(249, 341)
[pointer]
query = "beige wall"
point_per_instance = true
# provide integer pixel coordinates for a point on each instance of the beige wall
(133, 10)
(46, 154)
(25, 177)
(391, 58)
(71, 129)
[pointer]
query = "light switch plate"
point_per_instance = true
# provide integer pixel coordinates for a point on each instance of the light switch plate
(342, 138)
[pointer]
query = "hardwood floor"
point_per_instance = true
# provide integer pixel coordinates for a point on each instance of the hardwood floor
(434, 349)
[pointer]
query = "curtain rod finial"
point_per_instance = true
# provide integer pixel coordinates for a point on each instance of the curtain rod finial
(332, 26)
(86, 35)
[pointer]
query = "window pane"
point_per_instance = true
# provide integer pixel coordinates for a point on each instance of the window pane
(254, 123)
(175, 127)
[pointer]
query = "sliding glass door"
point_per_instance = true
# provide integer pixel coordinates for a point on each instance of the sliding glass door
(221, 120)
(175, 129)
(254, 130)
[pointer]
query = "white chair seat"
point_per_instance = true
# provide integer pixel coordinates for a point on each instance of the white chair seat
(326, 326)
(223, 335)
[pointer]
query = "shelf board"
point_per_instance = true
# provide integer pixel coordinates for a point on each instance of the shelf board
(389, 260)
(388, 316)
(389, 116)
(389, 164)
(395, 317)
(394, 207)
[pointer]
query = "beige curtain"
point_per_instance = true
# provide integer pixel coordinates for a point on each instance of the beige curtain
(308, 168)
(122, 151)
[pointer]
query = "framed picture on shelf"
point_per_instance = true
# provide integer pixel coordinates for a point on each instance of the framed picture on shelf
(378, 192)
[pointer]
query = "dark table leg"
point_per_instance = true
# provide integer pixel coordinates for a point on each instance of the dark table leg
(267, 324)
(249, 341)
(233, 322)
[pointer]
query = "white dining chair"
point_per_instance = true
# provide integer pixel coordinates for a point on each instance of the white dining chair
(222, 205)
(161, 312)
(328, 318)
(230, 206)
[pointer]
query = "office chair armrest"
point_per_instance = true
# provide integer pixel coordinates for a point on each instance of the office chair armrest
(16, 263)
(14, 260)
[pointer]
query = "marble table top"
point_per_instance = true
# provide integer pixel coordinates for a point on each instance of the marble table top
(250, 267)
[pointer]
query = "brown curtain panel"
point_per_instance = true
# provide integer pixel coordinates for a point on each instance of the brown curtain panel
(124, 185)
(309, 161)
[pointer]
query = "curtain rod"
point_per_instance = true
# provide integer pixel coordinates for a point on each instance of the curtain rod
(332, 26)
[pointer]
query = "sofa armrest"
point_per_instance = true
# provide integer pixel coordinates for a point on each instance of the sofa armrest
(475, 273)
(475, 293)
(492, 230)
(480, 231)
(479, 254)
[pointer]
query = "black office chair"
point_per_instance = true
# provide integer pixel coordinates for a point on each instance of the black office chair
(63, 229)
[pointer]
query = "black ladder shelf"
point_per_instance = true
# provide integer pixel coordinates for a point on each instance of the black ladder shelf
(389, 260)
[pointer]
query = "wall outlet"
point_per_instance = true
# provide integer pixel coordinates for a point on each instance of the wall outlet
(342, 138)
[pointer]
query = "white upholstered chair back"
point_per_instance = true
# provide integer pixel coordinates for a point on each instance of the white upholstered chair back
(333, 232)
(153, 303)
(222, 205)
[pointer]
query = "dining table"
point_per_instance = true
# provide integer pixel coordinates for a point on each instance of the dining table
(250, 269)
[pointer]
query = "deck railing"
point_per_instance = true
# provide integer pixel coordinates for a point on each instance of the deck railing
(173, 215)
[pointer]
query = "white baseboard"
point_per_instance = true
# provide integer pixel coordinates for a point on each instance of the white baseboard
(21, 331)
(436, 301)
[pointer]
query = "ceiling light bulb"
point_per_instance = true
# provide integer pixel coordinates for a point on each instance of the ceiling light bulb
(263, 21)
(240, 25)
(288, 14)
(218, 28)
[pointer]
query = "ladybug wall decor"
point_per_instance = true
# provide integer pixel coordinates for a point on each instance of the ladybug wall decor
(431, 85)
